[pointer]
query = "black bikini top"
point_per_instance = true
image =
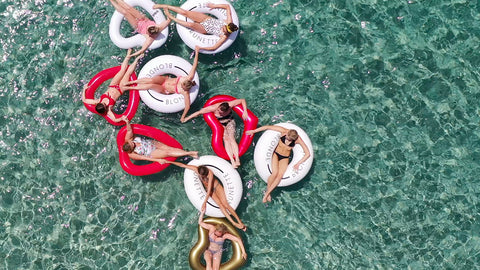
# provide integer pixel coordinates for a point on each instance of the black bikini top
(291, 144)
(228, 116)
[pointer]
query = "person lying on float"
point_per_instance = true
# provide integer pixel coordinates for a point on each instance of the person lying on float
(166, 85)
(280, 158)
(104, 105)
(203, 23)
(215, 191)
(139, 148)
(217, 236)
(224, 114)
(142, 25)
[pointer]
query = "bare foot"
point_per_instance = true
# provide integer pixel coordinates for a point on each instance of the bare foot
(264, 200)
(266, 197)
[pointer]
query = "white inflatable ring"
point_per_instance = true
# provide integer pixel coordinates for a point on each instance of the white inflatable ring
(162, 65)
(137, 40)
(266, 146)
(193, 38)
(223, 171)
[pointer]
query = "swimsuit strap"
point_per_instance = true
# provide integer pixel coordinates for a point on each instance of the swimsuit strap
(220, 243)
(228, 116)
(176, 84)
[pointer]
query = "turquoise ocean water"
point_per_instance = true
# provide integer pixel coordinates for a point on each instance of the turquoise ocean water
(388, 91)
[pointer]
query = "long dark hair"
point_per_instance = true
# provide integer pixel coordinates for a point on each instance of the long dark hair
(101, 108)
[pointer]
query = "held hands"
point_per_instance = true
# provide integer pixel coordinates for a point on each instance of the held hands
(125, 119)
(250, 132)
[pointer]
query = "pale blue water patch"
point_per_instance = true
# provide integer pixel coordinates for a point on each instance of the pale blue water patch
(388, 92)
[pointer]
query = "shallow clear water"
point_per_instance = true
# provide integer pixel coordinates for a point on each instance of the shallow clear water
(386, 90)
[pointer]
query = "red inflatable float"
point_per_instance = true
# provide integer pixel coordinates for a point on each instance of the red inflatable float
(147, 131)
(218, 129)
(101, 77)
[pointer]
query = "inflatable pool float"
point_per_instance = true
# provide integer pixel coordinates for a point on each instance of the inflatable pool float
(193, 38)
(266, 146)
(196, 253)
(225, 173)
(163, 65)
(218, 128)
(137, 40)
(99, 79)
(147, 131)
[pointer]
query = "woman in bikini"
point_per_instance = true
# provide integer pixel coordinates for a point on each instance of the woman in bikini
(217, 236)
(166, 85)
(142, 25)
(139, 148)
(215, 190)
(203, 23)
(288, 139)
(105, 103)
(224, 113)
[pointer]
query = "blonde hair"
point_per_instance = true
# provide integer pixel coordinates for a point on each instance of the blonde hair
(187, 84)
(292, 134)
(221, 228)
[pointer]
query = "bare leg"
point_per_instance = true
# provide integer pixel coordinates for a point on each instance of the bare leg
(232, 212)
(231, 146)
(130, 70)
(195, 26)
(193, 15)
(207, 255)
(219, 197)
(130, 13)
(143, 86)
(228, 149)
(216, 260)
(139, 86)
(164, 151)
(116, 79)
(234, 147)
(278, 169)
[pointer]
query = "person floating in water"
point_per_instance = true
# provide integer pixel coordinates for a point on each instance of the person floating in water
(214, 190)
(203, 23)
(217, 236)
(139, 148)
(142, 25)
(224, 113)
(106, 102)
(166, 85)
(280, 158)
